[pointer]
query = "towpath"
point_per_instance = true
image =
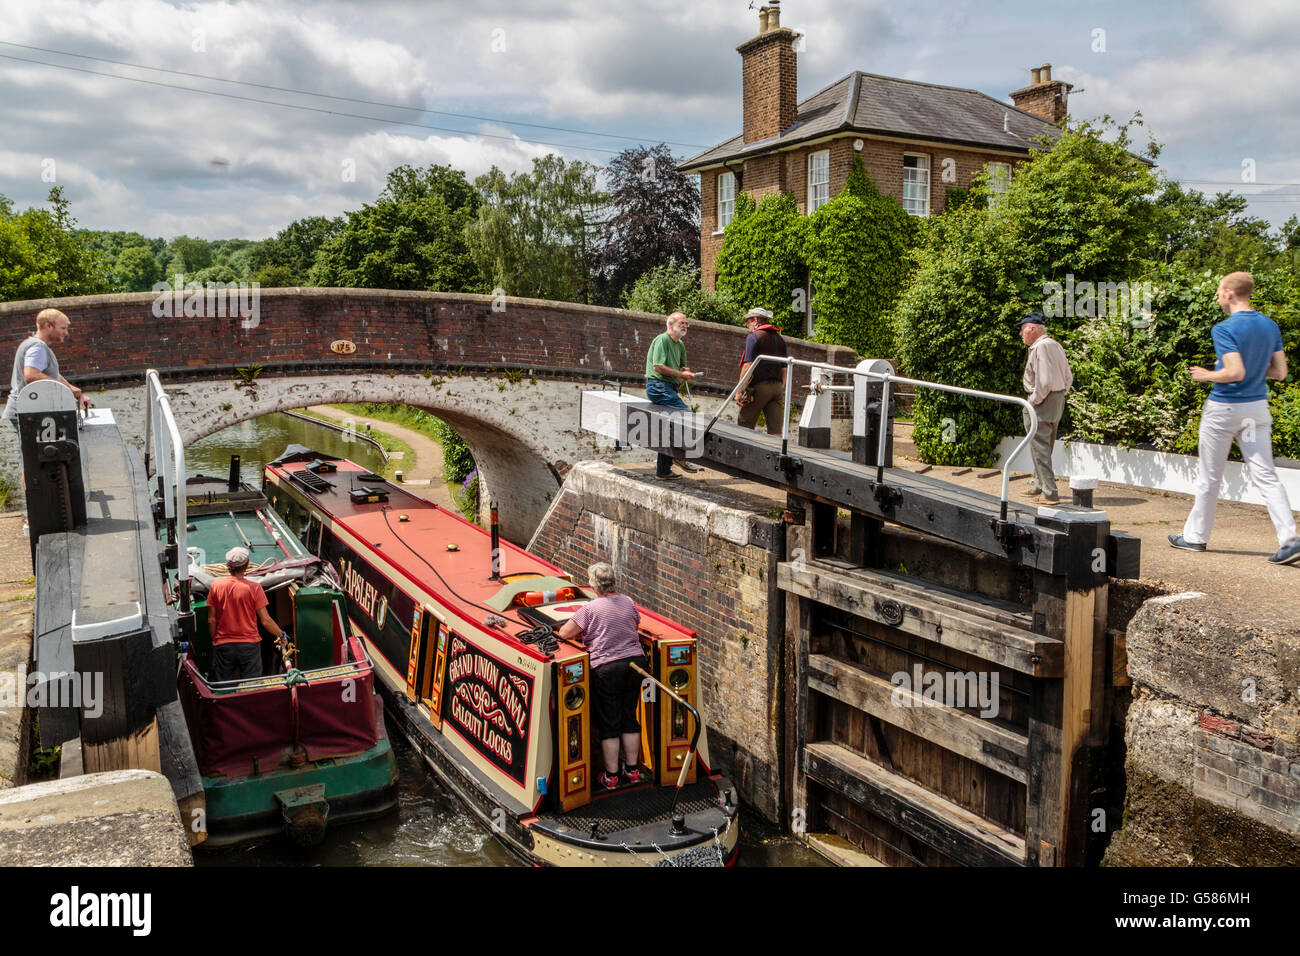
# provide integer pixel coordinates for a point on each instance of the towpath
(424, 473)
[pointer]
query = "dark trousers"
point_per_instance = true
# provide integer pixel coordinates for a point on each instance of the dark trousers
(615, 691)
(232, 661)
(661, 393)
(769, 398)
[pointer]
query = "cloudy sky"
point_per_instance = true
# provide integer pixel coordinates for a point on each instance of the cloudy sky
(1214, 80)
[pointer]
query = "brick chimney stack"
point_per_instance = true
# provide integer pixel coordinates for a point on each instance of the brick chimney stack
(1043, 96)
(769, 73)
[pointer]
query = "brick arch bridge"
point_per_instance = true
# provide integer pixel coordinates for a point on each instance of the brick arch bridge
(505, 373)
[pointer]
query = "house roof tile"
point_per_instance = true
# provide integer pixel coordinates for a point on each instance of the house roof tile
(884, 105)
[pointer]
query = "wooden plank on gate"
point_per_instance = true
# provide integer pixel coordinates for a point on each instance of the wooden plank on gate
(997, 748)
(954, 831)
(864, 594)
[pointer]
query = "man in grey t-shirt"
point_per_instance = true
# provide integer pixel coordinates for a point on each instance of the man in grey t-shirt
(35, 360)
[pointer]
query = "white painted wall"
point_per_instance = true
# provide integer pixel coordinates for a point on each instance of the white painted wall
(1147, 469)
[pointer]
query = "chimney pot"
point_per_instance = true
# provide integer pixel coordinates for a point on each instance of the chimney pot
(762, 20)
(774, 15)
(1046, 73)
(1034, 76)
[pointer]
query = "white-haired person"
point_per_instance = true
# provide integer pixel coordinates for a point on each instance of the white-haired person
(608, 628)
(665, 367)
(236, 605)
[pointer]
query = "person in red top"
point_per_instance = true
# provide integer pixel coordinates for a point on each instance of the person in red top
(766, 391)
(235, 607)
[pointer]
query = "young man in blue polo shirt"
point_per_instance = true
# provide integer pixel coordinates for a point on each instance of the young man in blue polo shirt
(1249, 349)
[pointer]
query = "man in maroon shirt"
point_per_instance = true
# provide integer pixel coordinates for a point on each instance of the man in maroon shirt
(235, 607)
(766, 392)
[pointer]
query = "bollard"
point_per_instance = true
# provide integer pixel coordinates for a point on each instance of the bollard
(397, 477)
(1082, 489)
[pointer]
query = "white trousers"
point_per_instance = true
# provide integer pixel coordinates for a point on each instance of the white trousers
(1250, 424)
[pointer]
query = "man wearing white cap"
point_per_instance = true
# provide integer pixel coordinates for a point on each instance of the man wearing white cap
(766, 391)
(235, 607)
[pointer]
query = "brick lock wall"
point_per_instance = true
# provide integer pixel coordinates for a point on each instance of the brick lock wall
(1247, 770)
(669, 561)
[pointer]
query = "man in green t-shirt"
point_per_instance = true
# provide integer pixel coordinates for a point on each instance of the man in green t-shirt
(665, 366)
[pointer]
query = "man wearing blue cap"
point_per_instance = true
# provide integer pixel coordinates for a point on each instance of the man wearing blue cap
(1047, 379)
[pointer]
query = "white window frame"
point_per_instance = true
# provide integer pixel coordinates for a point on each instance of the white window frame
(727, 205)
(917, 184)
(819, 192)
(997, 184)
(810, 313)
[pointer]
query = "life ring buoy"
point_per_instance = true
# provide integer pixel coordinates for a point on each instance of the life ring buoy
(534, 598)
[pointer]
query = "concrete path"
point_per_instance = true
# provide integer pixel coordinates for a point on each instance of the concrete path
(118, 818)
(423, 472)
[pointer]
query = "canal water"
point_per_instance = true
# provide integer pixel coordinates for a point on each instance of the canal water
(431, 827)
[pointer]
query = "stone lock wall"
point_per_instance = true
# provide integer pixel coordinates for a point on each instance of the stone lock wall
(1212, 771)
(708, 562)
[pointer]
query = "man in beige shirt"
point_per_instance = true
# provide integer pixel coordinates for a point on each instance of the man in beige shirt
(1047, 379)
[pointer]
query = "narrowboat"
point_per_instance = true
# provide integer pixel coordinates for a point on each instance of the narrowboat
(462, 628)
(303, 747)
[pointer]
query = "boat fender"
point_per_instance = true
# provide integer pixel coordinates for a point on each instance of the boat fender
(533, 598)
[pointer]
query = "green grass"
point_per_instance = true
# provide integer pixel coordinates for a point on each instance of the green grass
(408, 416)
(6, 492)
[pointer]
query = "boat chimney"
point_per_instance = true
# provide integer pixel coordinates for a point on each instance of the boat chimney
(233, 481)
(496, 541)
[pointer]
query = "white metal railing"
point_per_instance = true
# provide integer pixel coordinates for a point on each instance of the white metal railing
(165, 450)
(886, 379)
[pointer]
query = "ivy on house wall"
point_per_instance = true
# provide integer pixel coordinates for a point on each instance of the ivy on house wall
(857, 254)
(761, 262)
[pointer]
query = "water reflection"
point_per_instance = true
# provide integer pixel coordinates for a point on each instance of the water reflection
(260, 440)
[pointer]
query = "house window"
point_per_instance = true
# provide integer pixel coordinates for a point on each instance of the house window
(819, 179)
(916, 184)
(998, 179)
(726, 199)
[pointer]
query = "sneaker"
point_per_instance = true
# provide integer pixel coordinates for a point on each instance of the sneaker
(607, 780)
(1288, 554)
(1178, 541)
(1033, 489)
(668, 477)
(633, 774)
(1051, 499)
(687, 467)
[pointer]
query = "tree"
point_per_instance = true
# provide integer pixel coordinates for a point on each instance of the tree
(1083, 211)
(195, 253)
(655, 218)
(43, 256)
(1214, 234)
(136, 269)
(535, 234)
(412, 237)
(675, 287)
(288, 258)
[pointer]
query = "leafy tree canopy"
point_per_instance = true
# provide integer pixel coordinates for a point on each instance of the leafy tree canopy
(412, 237)
(43, 256)
(655, 218)
(535, 234)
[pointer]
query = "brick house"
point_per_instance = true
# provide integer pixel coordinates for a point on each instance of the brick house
(916, 140)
